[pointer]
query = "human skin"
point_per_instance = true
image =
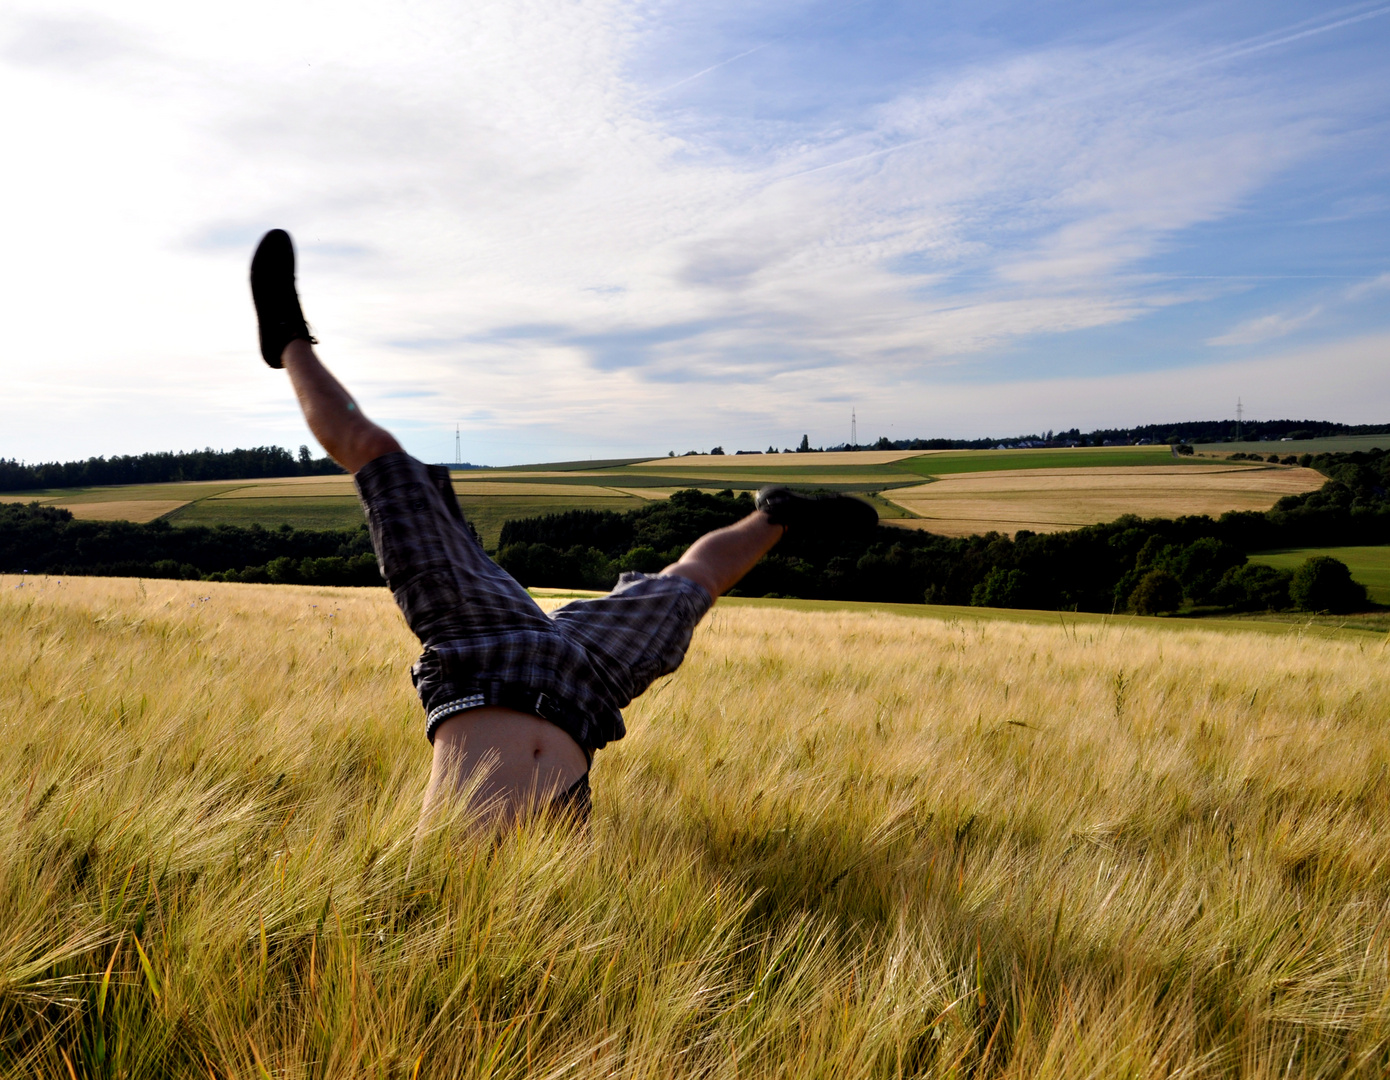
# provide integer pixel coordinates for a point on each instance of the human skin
(503, 761)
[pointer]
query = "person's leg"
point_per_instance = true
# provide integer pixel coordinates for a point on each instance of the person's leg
(333, 416)
(349, 437)
(719, 559)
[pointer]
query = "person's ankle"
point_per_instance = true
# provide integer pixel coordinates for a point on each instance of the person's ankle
(296, 351)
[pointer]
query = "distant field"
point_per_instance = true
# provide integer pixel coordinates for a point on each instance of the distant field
(1336, 444)
(1368, 565)
(487, 513)
(1106, 457)
(1055, 500)
(784, 461)
(309, 512)
(975, 491)
(133, 502)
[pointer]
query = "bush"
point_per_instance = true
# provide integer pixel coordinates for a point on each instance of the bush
(1253, 587)
(1158, 591)
(1001, 588)
(1323, 583)
(644, 560)
(1200, 566)
(548, 567)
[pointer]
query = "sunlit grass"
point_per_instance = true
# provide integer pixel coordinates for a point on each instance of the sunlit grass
(838, 844)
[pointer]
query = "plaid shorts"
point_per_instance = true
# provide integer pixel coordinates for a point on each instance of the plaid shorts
(488, 643)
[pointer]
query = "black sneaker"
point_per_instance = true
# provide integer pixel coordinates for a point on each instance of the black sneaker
(827, 512)
(277, 303)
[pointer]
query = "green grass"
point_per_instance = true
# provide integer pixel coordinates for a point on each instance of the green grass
(967, 461)
(486, 512)
(885, 508)
(1368, 565)
(1330, 445)
(305, 512)
(610, 478)
(736, 476)
(1321, 627)
(554, 466)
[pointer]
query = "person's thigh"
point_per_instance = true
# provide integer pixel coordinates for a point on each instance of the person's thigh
(446, 586)
(638, 632)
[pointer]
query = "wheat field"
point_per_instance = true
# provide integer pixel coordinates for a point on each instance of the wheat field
(832, 845)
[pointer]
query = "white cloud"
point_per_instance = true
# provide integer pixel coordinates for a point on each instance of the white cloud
(489, 207)
(1266, 328)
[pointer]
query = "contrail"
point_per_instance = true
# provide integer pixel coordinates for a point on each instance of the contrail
(740, 56)
(1239, 49)
(713, 67)
(1255, 45)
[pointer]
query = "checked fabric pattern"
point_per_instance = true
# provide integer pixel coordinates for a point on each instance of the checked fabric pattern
(488, 643)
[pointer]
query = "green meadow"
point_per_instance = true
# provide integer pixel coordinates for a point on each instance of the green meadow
(1368, 565)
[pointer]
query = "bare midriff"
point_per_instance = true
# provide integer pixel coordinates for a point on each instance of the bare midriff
(528, 760)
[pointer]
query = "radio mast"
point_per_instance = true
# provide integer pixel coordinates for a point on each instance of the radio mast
(853, 429)
(458, 447)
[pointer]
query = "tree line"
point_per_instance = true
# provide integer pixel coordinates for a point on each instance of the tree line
(254, 463)
(1147, 565)
(1190, 431)
(1130, 564)
(38, 539)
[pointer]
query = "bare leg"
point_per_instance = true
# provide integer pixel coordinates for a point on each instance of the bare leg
(719, 559)
(527, 760)
(339, 425)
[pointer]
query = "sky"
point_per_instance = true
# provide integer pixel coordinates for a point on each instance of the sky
(591, 228)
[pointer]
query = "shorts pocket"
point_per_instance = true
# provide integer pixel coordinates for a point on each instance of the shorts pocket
(405, 524)
(432, 605)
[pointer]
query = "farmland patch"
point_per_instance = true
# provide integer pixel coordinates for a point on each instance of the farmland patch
(1054, 500)
(1368, 565)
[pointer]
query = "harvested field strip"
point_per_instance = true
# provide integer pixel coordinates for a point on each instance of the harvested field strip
(1059, 499)
(648, 493)
(262, 490)
(181, 492)
(139, 510)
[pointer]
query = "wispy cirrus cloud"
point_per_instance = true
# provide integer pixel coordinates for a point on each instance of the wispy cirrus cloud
(1266, 328)
(518, 204)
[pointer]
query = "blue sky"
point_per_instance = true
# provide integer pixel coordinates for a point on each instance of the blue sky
(601, 228)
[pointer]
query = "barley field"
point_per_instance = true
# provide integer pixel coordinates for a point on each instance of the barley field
(834, 844)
